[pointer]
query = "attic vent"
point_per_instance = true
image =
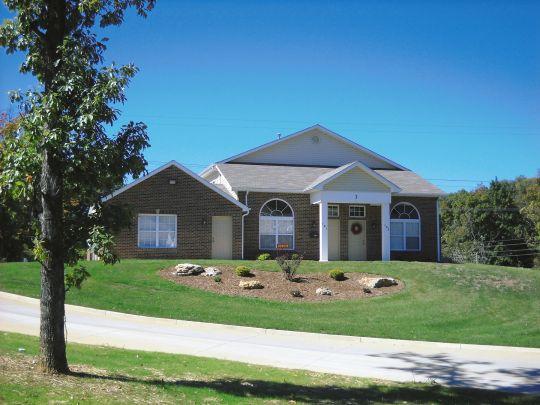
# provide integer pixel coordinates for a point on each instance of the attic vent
(315, 139)
(172, 181)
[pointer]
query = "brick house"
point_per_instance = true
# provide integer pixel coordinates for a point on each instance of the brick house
(313, 192)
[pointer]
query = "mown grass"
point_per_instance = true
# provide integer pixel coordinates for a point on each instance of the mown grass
(441, 302)
(104, 375)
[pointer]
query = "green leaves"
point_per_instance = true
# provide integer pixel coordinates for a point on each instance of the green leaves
(75, 277)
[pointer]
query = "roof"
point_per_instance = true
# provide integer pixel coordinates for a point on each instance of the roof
(327, 132)
(220, 190)
(299, 179)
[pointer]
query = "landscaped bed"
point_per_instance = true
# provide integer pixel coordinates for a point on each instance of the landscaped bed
(277, 287)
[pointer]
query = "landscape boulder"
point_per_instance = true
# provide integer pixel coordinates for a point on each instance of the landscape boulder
(250, 285)
(211, 272)
(323, 291)
(187, 269)
(377, 282)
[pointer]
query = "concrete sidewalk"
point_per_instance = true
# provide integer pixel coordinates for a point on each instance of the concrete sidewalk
(493, 367)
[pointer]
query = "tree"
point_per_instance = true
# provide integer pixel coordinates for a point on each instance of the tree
(63, 160)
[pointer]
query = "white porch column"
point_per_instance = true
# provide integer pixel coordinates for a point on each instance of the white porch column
(323, 231)
(385, 231)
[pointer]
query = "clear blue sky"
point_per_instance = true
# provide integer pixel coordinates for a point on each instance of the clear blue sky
(448, 89)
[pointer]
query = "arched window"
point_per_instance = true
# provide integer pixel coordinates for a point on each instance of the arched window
(276, 226)
(404, 227)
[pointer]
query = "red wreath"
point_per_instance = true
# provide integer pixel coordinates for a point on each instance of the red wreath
(356, 228)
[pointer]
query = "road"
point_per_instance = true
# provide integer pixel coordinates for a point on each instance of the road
(492, 367)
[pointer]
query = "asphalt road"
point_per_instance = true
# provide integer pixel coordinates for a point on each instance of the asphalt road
(491, 367)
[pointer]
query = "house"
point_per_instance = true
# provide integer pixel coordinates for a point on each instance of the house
(313, 192)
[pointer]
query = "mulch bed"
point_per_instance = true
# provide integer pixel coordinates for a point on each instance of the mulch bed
(277, 288)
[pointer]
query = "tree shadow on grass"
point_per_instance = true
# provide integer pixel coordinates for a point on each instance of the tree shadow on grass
(327, 394)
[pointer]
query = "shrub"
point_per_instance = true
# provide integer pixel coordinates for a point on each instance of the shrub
(337, 274)
(263, 256)
(242, 271)
(289, 266)
(296, 293)
(217, 279)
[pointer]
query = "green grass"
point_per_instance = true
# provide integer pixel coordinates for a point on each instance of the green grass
(441, 302)
(104, 375)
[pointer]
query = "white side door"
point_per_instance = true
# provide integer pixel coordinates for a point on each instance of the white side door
(333, 239)
(222, 237)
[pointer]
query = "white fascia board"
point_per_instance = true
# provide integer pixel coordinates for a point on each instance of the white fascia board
(226, 182)
(207, 169)
(189, 173)
(351, 197)
(268, 190)
(326, 131)
(434, 195)
(348, 167)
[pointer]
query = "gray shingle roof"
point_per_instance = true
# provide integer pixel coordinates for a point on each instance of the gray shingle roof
(297, 178)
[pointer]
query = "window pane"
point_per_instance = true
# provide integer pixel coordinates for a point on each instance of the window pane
(147, 223)
(266, 226)
(167, 223)
(285, 227)
(147, 239)
(167, 239)
(396, 243)
(285, 241)
(333, 211)
(413, 243)
(412, 229)
(268, 242)
(396, 229)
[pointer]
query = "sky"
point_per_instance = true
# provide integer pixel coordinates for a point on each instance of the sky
(450, 90)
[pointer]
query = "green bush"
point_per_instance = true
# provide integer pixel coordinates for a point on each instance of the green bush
(263, 256)
(217, 279)
(242, 271)
(337, 274)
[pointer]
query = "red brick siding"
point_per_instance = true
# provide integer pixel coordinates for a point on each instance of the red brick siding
(192, 202)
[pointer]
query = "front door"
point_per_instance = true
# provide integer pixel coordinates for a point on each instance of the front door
(333, 239)
(357, 239)
(222, 237)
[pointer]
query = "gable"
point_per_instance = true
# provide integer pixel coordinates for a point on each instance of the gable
(356, 180)
(315, 146)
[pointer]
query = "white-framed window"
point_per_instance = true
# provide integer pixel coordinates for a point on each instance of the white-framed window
(333, 211)
(357, 211)
(276, 226)
(404, 228)
(156, 231)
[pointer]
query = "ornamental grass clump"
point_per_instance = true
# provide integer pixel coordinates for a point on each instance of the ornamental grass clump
(263, 256)
(289, 265)
(242, 271)
(337, 274)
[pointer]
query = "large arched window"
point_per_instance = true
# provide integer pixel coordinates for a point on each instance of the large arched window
(404, 227)
(276, 226)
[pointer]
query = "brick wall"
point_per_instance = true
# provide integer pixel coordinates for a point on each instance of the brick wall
(192, 202)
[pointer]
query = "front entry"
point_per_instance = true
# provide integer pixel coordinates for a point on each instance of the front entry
(221, 237)
(333, 239)
(357, 239)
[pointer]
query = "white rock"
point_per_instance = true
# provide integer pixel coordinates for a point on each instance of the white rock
(187, 269)
(323, 291)
(211, 272)
(250, 285)
(377, 282)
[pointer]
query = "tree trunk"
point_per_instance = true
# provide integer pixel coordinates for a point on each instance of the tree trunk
(52, 339)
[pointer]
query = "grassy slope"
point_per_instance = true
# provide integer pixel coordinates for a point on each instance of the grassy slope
(112, 375)
(453, 303)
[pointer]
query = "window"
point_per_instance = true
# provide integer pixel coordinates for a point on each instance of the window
(157, 231)
(276, 226)
(404, 227)
(357, 211)
(333, 211)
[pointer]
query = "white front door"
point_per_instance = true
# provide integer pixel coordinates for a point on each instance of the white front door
(333, 239)
(222, 237)
(357, 239)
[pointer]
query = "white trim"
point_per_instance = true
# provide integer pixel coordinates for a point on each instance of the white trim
(351, 197)
(434, 195)
(185, 170)
(243, 217)
(319, 184)
(323, 231)
(226, 183)
(359, 206)
(278, 219)
(268, 190)
(404, 221)
(336, 206)
(385, 232)
(157, 231)
(326, 131)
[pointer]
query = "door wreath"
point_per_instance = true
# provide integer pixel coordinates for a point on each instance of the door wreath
(356, 228)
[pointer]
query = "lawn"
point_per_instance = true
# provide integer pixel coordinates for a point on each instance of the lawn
(441, 302)
(107, 375)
